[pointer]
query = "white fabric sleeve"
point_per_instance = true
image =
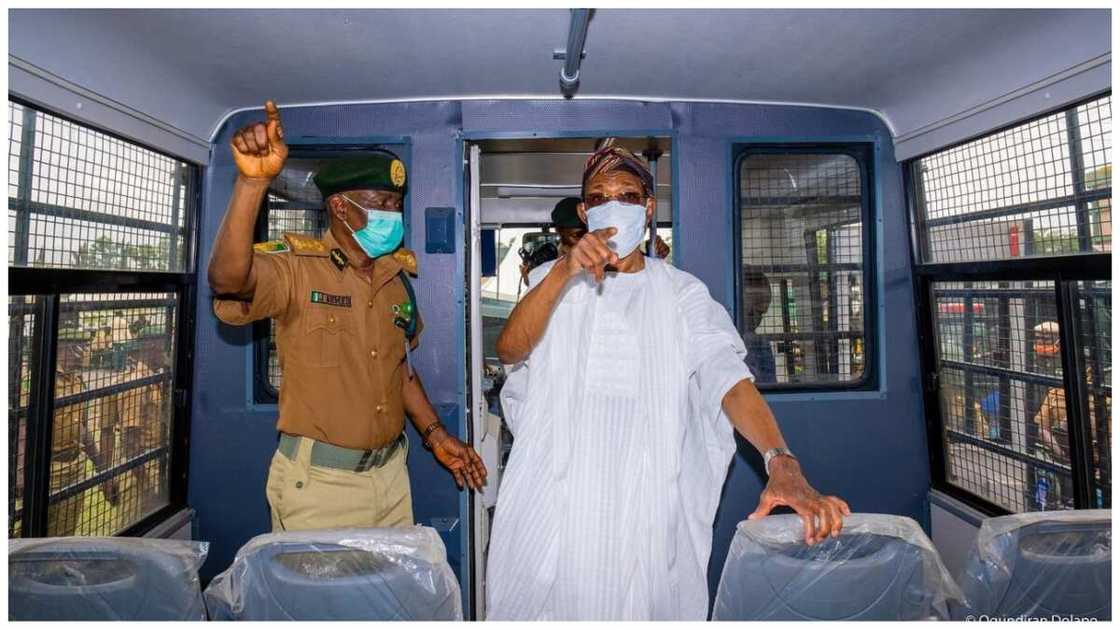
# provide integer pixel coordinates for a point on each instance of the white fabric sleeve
(715, 351)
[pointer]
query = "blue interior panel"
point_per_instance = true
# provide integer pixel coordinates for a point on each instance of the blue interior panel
(845, 440)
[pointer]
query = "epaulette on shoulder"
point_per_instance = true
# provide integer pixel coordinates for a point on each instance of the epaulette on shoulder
(271, 247)
(305, 245)
(407, 259)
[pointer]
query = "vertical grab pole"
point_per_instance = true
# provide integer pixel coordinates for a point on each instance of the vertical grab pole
(477, 402)
(651, 154)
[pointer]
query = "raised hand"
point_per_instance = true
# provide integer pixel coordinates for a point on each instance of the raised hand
(823, 516)
(259, 149)
(591, 254)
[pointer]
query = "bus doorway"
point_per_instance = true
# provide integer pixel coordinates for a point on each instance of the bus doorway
(513, 186)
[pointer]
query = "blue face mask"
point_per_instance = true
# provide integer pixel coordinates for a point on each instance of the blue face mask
(383, 232)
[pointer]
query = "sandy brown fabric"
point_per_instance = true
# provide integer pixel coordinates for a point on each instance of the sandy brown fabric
(302, 496)
(341, 354)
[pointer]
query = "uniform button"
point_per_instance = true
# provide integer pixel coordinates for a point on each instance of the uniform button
(331, 319)
(371, 303)
(380, 409)
(373, 353)
(299, 484)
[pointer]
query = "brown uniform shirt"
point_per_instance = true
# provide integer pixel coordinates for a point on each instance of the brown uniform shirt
(341, 354)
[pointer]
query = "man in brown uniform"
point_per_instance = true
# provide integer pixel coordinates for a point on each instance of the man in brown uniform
(345, 328)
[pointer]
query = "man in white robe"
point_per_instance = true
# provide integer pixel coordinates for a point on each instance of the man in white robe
(625, 382)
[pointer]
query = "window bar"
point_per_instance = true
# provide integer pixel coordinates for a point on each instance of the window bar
(1003, 340)
(920, 238)
(1100, 410)
(23, 209)
(1077, 171)
(173, 237)
(833, 284)
(787, 346)
(1076, 394)
(967, 342)
(819, 358)
(40, 419)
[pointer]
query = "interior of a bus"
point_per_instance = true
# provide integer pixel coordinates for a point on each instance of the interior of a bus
(904, 214)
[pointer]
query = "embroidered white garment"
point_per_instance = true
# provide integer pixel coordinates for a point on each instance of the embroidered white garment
(620, 452)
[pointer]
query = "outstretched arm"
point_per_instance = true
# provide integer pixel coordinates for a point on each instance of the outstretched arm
(527, 322)
(822, 515)
(464, 464)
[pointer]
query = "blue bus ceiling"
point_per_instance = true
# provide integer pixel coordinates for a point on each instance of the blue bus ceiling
(902, 217)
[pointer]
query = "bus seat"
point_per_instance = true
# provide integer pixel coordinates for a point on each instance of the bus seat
(341, 574)
(104, 579)
(881, 567)
(1041, 565)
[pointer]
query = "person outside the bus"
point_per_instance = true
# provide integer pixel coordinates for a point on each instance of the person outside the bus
(756, 301)
(346, 324)
(634, 381)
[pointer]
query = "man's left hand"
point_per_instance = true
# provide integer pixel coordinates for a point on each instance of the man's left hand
(461, 461)
(823, 516)
(661, 247)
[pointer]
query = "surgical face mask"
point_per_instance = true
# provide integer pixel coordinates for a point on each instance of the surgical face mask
(382, 233)
(629, 219)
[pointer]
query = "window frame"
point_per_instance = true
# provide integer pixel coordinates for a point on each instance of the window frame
(49, 284)
(1064, 271)
(262, 392)
(864, 153)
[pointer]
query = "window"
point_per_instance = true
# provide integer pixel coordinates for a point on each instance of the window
(100, 253)
(806, 282)
(1012, 250)
(293, 205)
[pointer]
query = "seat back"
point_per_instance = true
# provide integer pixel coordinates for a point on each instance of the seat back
(881, 567)
(104, 579)
(1042, 565)
(373, 574)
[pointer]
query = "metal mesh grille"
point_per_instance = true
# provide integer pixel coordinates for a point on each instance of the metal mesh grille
(1095, 359)
(21, 327)
(802, 253)
(110, 441)
(300, 218)
(1042, 188)
(1002, 393)
(79, 198)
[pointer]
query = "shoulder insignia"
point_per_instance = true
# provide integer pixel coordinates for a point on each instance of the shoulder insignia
(339, 258)
(407, 260)
(306, 245)
(271, 247)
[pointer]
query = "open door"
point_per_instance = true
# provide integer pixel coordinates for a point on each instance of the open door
(485, 425)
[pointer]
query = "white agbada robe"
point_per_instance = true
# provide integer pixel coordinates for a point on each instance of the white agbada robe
(621, 449)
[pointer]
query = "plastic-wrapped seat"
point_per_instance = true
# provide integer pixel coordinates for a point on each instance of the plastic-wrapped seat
(104, 579)
(881, 567)
(341, 574)
(1041, 565)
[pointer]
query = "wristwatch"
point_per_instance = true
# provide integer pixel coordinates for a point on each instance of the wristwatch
(774, 452)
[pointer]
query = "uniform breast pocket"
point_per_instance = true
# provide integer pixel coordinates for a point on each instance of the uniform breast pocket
(326, 330)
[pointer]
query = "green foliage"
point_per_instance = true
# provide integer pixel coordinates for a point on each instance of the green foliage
(104, 253)
(1054, 242)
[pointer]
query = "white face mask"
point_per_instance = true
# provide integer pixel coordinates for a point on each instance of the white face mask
(629, 219)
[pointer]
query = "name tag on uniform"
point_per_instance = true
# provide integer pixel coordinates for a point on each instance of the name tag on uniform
(318, 297)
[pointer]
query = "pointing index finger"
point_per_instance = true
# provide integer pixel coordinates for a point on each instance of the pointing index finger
(271, 111)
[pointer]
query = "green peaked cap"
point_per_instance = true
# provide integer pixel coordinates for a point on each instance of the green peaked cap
(376, 171)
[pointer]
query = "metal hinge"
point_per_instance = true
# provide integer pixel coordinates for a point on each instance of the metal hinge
(180, 398)
(933, 383)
